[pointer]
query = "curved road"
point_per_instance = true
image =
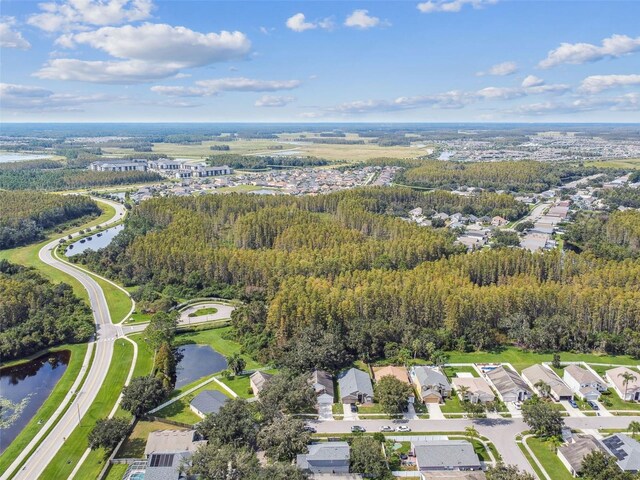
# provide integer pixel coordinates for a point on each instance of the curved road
(106, 334)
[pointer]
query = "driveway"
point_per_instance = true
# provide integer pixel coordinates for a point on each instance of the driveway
(325, 412)
(435, 413)
(603, 412)
(348, 414)
(573, 412)
(515, 413)
(411, 412)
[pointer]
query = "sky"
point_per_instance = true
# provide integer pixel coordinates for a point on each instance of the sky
(324, 61)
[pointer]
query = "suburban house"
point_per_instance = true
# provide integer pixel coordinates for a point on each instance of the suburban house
(172, 441)
(572, 454)
(163, 466)
(258, 380)
(445, 455)
(207, 402)
(630, 391)
(327, 457)
(583, 382)
(399, 373)
(477, 389)
(498, 221)
(432, 385)
(626, 450)
(558, 390)
(355, 386)
(322, 383)
(508, 384)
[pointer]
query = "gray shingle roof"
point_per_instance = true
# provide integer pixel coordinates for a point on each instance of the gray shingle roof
(536, 373)
(575, 452)
(625, 449)
(209, 401)
(355, 381)
(428, 376)
(446, 454)
(328, 455)
(506, 380)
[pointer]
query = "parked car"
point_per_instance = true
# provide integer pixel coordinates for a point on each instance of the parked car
(404, 456)
(386, 428)
(593, 405)
(573, 403)
(403, 428)
(309, 428)
(518, 405)
(357, 428)
(354, 407)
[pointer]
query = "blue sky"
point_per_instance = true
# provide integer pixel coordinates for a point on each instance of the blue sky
(391, 61)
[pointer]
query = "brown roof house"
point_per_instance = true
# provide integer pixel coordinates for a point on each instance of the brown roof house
(258, 380)
(572, 454)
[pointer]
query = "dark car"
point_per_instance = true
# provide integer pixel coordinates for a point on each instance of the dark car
(357, 428)
(593, 405)
(309, 428)
(573, 403)
(354, 407)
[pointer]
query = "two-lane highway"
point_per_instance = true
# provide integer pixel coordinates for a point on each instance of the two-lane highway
(106, 334)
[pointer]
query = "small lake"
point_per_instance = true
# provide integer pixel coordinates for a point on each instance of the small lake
(96, 242)
(27, 386)
(197, 361)
(19, 157)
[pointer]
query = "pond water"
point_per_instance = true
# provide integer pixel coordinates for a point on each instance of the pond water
(96, 242)
(27, 386)
(197, 361)
(19, 157)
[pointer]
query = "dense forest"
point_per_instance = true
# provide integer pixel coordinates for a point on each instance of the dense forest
(68, 178)
(340, 265)
(36, 314)
(613, 236)
(518, 176)
(255, 162)
(24, 215)
(620, 197)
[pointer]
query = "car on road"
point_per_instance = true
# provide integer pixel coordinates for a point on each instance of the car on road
(310, 429)
(573, 403)
(593, 405)
(403, 428)
(357, 428)
(386, 428)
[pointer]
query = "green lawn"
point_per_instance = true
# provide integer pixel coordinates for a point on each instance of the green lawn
(239, 384)
(521, 359)
(546, 455)
(68, 456)
(180, 411)
(116, 471)
(452, 405)
(451, 371)
(218, 339)
(529, 458)
(144, 362)
(204, 311)
(137, 317)
(617, 403)
(50, 405)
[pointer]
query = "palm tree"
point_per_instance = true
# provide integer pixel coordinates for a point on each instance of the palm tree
(236, 363)
(634, 428)
(627, 377)
(471, 431)
(463, 390)
(543, 388)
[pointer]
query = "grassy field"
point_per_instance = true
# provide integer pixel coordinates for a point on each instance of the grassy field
(137, 317)
(49, 406)
(349, 153)
(451, 371)
(633, 163)
(521, 359)
(68, 456)
(546, 455)
(240, 384)
(204, 311)
(116, 471)
(452, 405)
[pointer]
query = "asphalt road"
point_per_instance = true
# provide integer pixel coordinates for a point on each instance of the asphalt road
(502, 432)
(106, 334)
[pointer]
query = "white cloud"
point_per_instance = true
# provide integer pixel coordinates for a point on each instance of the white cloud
(578, 53)
(70, 15)
(299, 23)
(26, 97)
(146, 52)
(500, 69)
(532, 81)
(628, 102)
(451, 6)
(598, 83)
(206, 88)
(273, 101)
(361, 19)
(10, 38)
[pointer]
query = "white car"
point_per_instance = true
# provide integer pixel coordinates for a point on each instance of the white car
(403, 428)
(386, 428)
(518, 405)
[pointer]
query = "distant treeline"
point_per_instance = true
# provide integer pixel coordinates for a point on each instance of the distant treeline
(518, 176)
(331, 141)
(66, 179)
(36, 314)
(259, 162)
(24, 215)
